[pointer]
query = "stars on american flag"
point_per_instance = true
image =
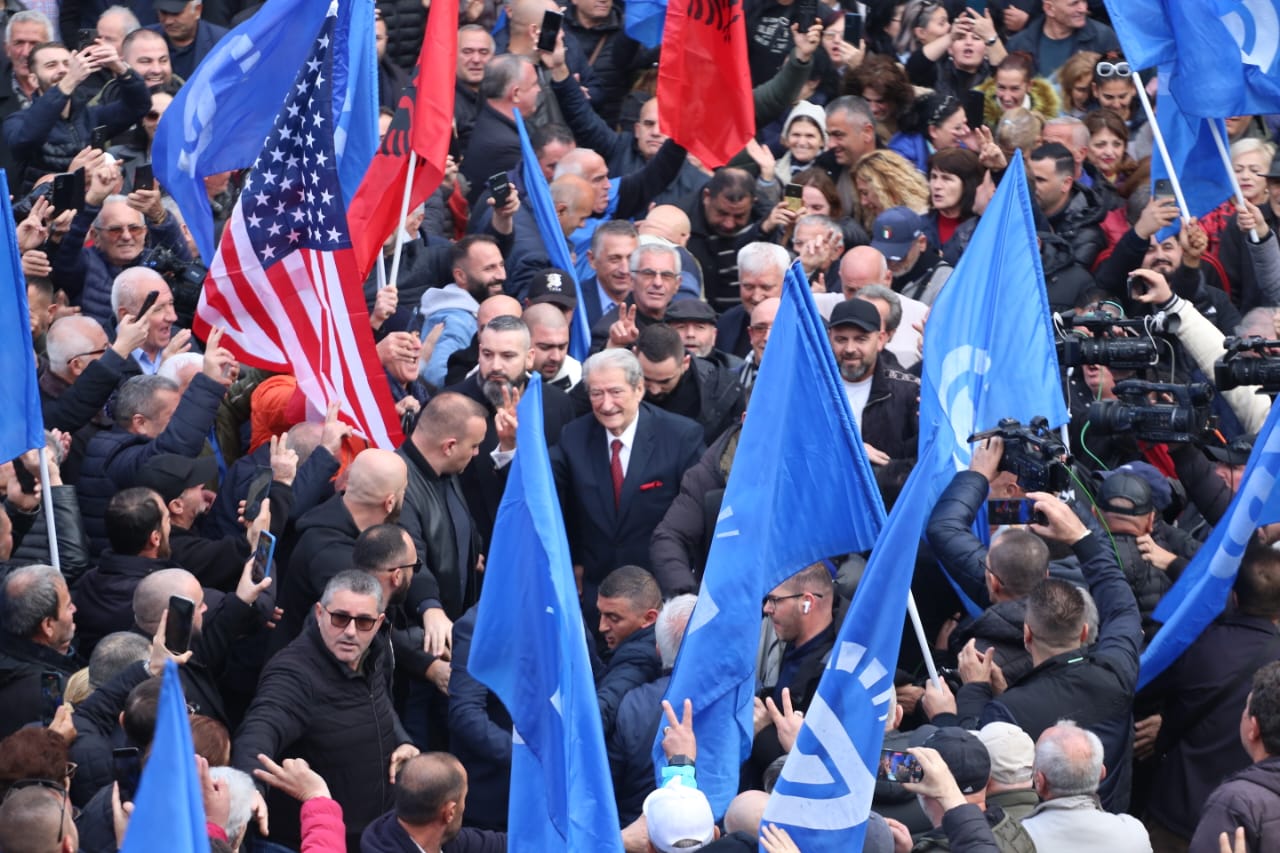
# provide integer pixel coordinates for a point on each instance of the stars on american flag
(292, 198)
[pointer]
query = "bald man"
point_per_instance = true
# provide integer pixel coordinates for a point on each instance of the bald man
(37, 812)
(376, 482)
(549, 335)
(575, 198)
(758, 334)
(431, 798)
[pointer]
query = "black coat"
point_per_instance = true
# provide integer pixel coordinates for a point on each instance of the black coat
(891, 416)
(630, 746)
(21, 665)
(104, 596)
(1080, 224)
(326, 538)
(340, 720)
(77, 407)
(73, 544)
(494, 147)
(386, 835)
(426, 516)
(113, 458)
(681, 541)
(98, 731)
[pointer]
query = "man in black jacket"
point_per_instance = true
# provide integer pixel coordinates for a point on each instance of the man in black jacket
(431, 797)
(325, 699)
(36, 628)
(510, 83)
(628, 601)
(1072, 210)
(686, 385)
(1092, 685)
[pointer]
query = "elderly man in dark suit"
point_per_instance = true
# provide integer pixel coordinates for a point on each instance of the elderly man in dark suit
(617, 470)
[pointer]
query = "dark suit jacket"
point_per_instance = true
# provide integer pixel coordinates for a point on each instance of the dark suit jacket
(602, 538)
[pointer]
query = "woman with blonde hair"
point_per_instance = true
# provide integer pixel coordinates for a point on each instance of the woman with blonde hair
(885, 179)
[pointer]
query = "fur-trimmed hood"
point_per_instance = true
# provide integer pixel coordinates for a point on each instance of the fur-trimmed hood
(1044, 99)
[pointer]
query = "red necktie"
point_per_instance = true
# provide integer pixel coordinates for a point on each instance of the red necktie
(615, 468)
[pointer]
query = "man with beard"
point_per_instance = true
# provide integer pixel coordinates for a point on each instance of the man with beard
(505, 359)
(37, 625)
(137, 527)
(376, 483)
(478, 273)
(883, 400)
(48, 134)
(687, 385)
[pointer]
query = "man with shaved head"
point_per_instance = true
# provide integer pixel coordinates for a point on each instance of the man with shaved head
(431, 798)
(549, 336)
(376, 483)
(463, 361)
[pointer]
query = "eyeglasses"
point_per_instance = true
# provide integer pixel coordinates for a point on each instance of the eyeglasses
(773, 600)
(760, 328)
(1112, 69)
(341, 620)
(70, 770)
(649, 275)
(90, 352)
(117, 230)
(416, 566)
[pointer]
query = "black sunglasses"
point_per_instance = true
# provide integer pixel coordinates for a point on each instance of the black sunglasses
(341, 620)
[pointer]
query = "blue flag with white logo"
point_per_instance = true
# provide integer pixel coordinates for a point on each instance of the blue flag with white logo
(823, 796)
(530, 649)
(544, 213)
(806, 492)
(218, 120)
(168, 811)
(988, 346)
(23, 428)
(1222, 53)
(1194, 155)
(1200, 593)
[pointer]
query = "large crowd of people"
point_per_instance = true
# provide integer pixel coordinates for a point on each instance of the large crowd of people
(320, 595)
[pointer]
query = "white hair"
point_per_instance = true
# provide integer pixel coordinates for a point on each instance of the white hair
(762, 259)
(123, 288)
(623, 359)
(669, 629)
(242, 789)
(29, 16)
(172, 367)
(655, 246)
(67, 338)
(1065, 775)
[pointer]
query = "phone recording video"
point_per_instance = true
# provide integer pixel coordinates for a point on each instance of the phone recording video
(262, 556)
(898, 766)
(1014, 512)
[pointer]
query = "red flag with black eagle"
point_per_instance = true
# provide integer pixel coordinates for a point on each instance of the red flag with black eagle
(423, 123)
(704, 81)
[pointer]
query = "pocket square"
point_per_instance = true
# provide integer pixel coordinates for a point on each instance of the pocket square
(655, 484)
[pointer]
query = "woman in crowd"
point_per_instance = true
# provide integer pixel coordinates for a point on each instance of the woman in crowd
(1075, 80)
(820, 197)
(945, 123)
(924, 23)
(804, 135)
(1107, 157)
(954, 177)
(884, 180)
(1113, 89)
(883, 84)
(1014, 85)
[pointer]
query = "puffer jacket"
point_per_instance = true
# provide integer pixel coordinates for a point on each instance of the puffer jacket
(1064, 278)
(73, 544)
(406, 21)
(1080, 224)
(998, 627)
(1251, 799)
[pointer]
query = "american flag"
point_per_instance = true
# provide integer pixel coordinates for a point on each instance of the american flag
(284, 282)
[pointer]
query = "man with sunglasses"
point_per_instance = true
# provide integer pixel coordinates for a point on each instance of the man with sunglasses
(325, 698)
(1065, 28)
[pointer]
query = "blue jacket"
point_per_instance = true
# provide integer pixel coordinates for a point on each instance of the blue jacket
(113, 457)
(455, 309)
(634, 662)
(630, 746)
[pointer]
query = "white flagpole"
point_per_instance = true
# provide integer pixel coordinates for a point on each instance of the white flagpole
(404, 217)
(1225, 154)
(46, 495)
(381, 267)
(1158, 137)
(922, 639)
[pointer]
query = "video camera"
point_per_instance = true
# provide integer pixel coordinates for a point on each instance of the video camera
(1105, 347)
(1033, 454)
(1183, 420)
(1235, 369)
(185, 279)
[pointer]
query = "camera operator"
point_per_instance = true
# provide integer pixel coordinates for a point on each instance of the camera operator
(1178, 257)
(1093, 685)
(1204, 343)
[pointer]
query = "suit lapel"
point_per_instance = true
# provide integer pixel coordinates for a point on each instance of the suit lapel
(638, 466)
(598, 455)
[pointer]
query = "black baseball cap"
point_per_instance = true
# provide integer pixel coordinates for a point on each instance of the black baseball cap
(964, 754)
(555, 286)
(1236, 451)
(171, 474)
(1132, 488)
(856, 312)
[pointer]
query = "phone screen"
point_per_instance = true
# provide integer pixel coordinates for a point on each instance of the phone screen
(50, 695)
(899, 767)
(126, 767)
(262, 556)
(178, 626)
(1013, 512)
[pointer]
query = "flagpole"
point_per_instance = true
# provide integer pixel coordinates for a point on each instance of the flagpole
(1160, 146)
(1225, 154)
(404, 216)
(925, 651)
(46, 496)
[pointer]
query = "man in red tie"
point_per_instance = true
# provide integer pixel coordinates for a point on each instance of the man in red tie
(617, 470)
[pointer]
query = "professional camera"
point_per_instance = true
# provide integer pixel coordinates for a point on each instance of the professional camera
(1105, 346)
(1033, 454)
(185, 278)
(1235, 369)
(1183, 420)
